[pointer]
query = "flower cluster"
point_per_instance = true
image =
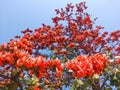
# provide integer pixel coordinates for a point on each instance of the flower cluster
(57, 65)
(20, 58)
(78, 32)
(81, 65)
(6, 58)
(98, 62)
(86, 65)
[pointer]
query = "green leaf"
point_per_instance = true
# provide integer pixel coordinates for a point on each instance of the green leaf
(80, 82)
(73, 87)
(84, 87)
(118, 88)
(118, 75)
(117, 83)
(109, 88)
(96, 76)
(13, 87)
(63, 60)
(114, 78)
(76, 84)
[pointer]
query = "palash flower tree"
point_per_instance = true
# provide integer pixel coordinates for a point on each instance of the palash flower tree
(73, 55)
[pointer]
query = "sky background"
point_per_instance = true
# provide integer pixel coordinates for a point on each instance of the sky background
(17, 15)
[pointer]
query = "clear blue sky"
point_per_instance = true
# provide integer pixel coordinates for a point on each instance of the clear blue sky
(17, 15)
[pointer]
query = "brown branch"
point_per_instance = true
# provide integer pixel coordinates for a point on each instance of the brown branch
(4, 76)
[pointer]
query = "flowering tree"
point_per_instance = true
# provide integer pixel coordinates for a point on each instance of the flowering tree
(72, 55)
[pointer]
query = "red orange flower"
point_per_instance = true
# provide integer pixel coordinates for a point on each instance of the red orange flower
(55, 63)
(86, 20)
(86, 65)
(81, 66)
(98, 62)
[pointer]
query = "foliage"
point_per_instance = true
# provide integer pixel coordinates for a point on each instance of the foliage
(76, 55)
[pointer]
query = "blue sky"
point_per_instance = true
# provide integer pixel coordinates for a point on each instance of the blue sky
(17, 15)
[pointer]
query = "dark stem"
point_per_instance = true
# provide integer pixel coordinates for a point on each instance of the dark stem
(103, 84)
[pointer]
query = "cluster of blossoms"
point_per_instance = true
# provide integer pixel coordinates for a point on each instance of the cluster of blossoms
(86, 65)
(15, 56)
(81, 65)
(21, 59)
(57, 65)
